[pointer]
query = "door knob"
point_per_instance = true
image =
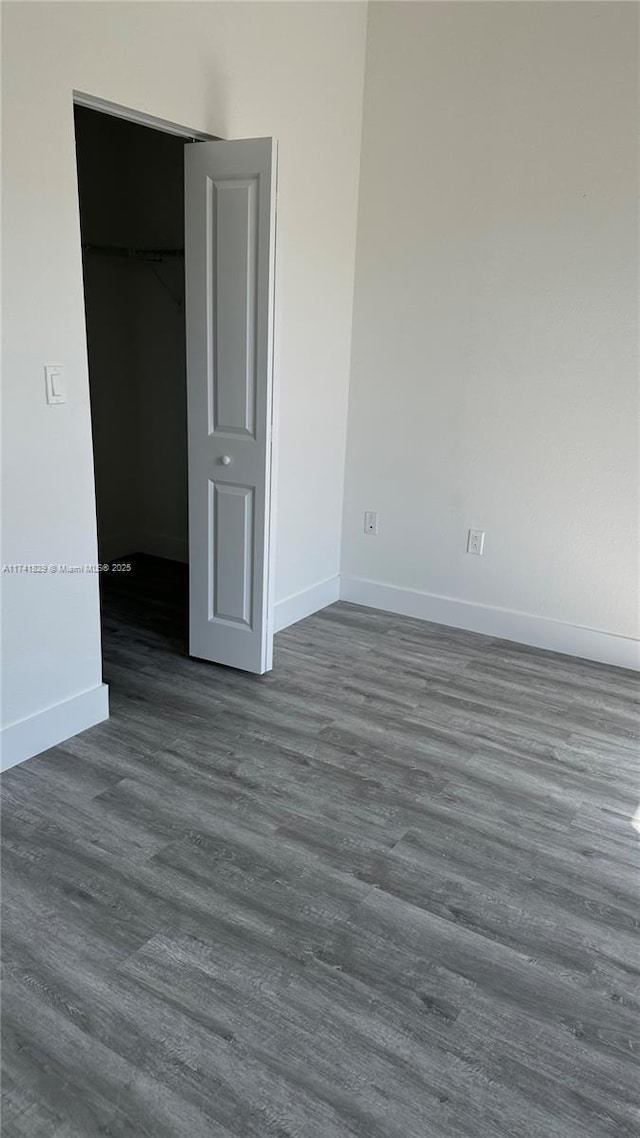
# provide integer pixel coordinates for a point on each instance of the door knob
(226, 460)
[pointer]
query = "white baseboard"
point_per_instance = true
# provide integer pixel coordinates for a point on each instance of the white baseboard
(296, 607)
(504, 624)
(115, 547)
(164, 545)
(31, 736)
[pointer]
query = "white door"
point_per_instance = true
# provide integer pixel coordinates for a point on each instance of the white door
(230, 194)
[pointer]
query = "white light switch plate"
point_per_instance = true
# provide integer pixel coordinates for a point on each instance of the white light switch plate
(54, 379)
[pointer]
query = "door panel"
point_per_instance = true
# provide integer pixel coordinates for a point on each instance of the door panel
(233, 374)
(232, 523)
(229, 265)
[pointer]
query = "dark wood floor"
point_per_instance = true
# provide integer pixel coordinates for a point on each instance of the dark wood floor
(389, 890)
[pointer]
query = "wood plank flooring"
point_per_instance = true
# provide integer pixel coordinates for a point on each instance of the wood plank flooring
(389, 890)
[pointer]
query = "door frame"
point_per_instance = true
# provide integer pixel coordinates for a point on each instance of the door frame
(118, 111)
(166, 126)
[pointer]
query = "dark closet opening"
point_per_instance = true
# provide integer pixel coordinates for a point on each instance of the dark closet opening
(131, 191)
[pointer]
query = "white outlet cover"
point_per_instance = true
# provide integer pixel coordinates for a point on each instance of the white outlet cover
(475, 542)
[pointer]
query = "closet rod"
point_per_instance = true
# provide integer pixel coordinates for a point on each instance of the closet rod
(135, 254)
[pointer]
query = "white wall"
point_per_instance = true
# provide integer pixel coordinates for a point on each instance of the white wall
(294, 71)
(495, 365)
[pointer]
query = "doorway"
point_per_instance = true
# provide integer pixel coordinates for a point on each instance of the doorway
(183, 470)
(131, 192)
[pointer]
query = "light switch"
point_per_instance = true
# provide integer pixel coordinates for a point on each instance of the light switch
(54, 378)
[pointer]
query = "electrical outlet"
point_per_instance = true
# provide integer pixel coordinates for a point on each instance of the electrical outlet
(370, 521)
(475, 542)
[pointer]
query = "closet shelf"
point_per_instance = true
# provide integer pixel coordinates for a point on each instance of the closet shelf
(152, 255)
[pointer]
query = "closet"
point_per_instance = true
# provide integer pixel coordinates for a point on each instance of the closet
(131, 191)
